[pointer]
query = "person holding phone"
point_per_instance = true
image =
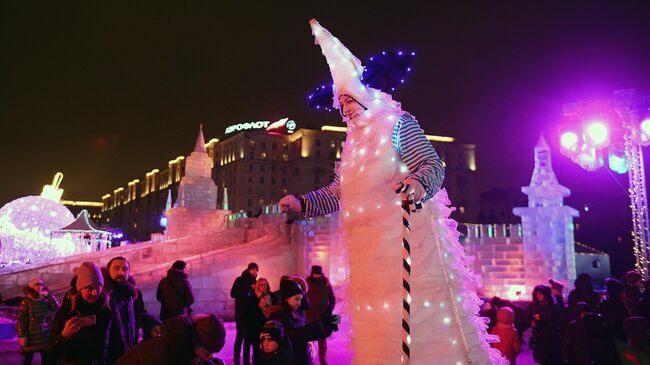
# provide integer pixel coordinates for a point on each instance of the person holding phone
(80, 329)
(33, 325)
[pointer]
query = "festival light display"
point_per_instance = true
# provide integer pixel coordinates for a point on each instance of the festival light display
(615, 128)
(25, 227)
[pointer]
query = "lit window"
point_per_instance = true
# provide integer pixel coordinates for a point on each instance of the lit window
(285, 157)
(263, 155)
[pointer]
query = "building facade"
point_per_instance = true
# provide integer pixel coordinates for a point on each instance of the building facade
(255, 167)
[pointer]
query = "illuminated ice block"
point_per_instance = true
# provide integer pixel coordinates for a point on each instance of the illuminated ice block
(547, 224)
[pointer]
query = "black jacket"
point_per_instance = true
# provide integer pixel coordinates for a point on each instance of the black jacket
(615, 312)
(242, 291)
(172, 347)
(175, 294)
(89, 346)
(123, 330)
(300, 333)
(321, 298)
(282, 356)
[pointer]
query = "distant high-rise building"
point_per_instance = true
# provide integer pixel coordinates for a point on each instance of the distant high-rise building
(256, 164)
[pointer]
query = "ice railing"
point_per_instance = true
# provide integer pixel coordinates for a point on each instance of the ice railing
(473, 231)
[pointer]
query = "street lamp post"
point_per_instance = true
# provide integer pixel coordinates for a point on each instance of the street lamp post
(616, 128)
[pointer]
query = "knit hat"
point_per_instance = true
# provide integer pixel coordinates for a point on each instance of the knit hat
(632, 276)
(317, 269)
(34, 282)
(89, 274)
(210, 332)
(289, 288)
(556, 285)
(274, 330)
(179, 265)
(301, 282)
(506, 315)
(614, 287)
(253, 265)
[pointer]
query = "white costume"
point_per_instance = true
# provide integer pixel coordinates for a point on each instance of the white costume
(445, 327)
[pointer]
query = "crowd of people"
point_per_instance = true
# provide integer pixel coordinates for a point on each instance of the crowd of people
(279, 325)
(102, 320)
(591, 328)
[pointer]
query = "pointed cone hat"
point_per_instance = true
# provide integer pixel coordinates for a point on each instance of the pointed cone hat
(346, 72)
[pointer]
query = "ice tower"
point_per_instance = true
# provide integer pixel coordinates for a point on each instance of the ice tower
(195, 210)
(547, 225)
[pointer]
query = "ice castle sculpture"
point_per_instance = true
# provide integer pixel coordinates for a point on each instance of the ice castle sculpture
(547, 224)
(195, 209)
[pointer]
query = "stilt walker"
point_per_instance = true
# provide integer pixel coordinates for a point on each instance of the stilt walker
(432, 311)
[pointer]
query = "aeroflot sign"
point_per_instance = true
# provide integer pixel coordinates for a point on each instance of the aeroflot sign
(284, 125)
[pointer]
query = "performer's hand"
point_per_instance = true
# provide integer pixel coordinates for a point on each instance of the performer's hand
(290, 202)
(414, 187)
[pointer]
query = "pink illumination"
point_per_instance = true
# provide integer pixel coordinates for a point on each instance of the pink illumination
(597, 134)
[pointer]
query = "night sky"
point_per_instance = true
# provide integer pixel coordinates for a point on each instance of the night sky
(105, 94)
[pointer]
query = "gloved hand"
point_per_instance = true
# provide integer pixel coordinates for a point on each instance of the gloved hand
(331, 322)
(290, 202)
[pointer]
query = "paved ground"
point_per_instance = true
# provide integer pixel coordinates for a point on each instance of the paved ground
(337, 350)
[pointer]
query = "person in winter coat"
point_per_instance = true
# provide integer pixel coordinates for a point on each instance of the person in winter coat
(584, 292)
(255, 315)
(321, 304)
(633, 285)
(304, 304)
(276, 347)
(613, 308)
(644, 303)
(588, 341)
(242, 291)
(546, 319)
(120, 287)
(183, 340)
(175, 292)
(267, 297)
(33, 324)
(295, 326)
(80, 331)
(509, 344)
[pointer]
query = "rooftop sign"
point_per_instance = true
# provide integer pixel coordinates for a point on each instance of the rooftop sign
(284, 125)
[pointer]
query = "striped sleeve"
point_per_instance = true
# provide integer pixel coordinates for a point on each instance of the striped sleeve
(325, 200)
(418, 154)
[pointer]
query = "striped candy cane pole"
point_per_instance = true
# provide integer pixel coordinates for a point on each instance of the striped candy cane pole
(407, 201)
